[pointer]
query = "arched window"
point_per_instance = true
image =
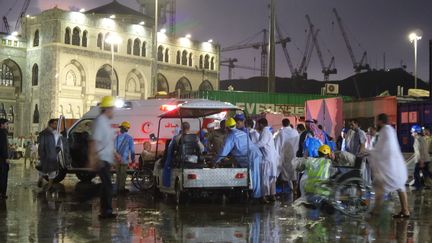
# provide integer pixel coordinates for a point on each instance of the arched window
(6, 76)
(183, 85)
(184, 58)
(11, 114)
(99, 40)
(136, 47)
(103, 77)
(3, 113)
(36, 114)
(11, 75)
(212, 64)
(178, 57)
(84, 39)
(71, 78)
(160, 54)
(67, 37)
(190, 59)
(35, 75)
(167, 55)
(162, 84)
(36, 38)
(144, 49)
(206, 61)
(205, 86)
(76, 36)
(131, 85)
(201, 62)
(107, 46)
(129, 47)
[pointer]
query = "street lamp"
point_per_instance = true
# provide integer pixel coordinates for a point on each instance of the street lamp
(112, 40)
(155, 47)
(413, 37)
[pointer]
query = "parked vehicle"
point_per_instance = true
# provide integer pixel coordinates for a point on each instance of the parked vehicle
(143, 117)
(190, 176)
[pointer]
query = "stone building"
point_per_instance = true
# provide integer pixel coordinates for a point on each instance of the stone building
(61, 63)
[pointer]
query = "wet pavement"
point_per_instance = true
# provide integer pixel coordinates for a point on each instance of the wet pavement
(70, 214)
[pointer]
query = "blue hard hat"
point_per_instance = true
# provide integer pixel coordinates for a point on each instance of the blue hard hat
(239, 117)
(416, 129)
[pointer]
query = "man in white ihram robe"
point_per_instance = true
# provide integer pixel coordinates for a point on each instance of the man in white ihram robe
(286, 144)
(269, 161)
(388, 167)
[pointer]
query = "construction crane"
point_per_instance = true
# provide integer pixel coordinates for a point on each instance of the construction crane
(301, 72)
(257, 45)
(284, 48)
(309, 53)
(230, 63)
(358, 66)
(326, 70)
(22, 14)
(6, 25)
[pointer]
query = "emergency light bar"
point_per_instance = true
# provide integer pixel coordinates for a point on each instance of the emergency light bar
(168, 107)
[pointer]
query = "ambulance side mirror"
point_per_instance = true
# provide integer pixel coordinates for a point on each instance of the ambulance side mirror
(153, 137)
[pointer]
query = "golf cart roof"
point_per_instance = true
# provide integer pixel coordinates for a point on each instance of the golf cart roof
(199, 108)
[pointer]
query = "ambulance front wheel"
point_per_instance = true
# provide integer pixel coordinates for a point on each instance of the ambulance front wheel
(85, 176)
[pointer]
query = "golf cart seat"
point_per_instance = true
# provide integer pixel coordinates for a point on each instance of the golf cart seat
(189, 149)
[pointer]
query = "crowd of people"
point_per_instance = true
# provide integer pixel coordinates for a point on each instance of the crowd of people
(299, 158)
(273, 156)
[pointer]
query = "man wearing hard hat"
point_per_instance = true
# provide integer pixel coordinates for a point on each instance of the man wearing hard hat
(124, 145)
(245, 152)
(102, 154)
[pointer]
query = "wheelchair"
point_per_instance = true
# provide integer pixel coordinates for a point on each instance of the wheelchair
(347, 191)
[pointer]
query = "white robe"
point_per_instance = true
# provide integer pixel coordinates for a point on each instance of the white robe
(269, 162)
(387, 163)
(286, 144)
(254, 135)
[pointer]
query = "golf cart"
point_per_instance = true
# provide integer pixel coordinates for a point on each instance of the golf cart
(191, 172)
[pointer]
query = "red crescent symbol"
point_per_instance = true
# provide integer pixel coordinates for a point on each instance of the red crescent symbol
(146, 127)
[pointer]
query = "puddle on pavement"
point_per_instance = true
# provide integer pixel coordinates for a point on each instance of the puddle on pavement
(70, 214)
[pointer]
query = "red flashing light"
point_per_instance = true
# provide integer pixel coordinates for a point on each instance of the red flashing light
(238, 235)
(168, 107)
(192, 176)
(240, 176)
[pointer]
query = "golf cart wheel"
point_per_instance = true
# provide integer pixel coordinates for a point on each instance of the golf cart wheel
(61, 174)
(143, 180)
(85, 176)
(353, 198)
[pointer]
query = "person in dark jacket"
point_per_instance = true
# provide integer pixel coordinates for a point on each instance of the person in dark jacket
(304, 132)
(49, 147)
(4, 155)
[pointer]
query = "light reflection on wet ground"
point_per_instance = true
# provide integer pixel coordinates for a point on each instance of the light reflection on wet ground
(70, 215)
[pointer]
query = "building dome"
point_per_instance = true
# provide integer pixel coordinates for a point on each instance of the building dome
(115, 7)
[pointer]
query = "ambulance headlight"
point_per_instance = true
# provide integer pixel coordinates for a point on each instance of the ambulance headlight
(119, 103)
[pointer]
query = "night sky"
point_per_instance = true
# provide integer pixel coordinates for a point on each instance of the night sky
(375, 26)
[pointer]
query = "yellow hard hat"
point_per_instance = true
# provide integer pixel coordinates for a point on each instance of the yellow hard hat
(125, 124)
(230, 122)
(107, 102)
(324, 149)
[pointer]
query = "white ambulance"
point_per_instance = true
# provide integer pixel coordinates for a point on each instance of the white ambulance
(144, 120)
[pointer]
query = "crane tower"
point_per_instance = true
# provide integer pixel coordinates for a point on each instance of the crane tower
(167, 12)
